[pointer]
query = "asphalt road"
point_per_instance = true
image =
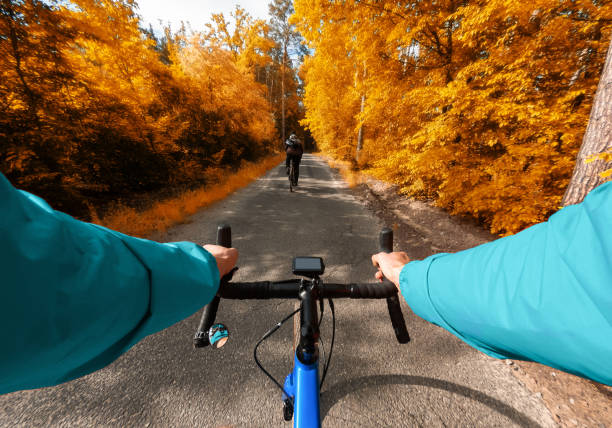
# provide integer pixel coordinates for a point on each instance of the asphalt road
(435, 380)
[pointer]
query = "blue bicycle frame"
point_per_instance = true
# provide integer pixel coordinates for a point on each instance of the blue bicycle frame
(303, 387)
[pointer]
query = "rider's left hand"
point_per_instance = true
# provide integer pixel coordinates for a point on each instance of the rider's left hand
(226, 257)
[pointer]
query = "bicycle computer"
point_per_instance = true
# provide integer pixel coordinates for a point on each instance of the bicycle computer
(308, 266)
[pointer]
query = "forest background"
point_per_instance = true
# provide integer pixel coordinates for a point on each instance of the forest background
(478, 106)
(94, 108)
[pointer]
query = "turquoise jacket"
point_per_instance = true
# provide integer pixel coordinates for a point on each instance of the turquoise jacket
(74, 296)
(544, 294)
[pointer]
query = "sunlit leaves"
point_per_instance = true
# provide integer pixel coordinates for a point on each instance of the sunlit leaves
(90, 102)
(477, 105)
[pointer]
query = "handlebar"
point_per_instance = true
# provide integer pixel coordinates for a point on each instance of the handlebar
(395, 311)
(224, 239)
(289, 289)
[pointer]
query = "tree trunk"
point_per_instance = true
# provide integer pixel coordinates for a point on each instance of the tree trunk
(360, 132)
(597, 139)
(286, 41)
(283, 104)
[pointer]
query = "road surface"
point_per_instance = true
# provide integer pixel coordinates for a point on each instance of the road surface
(435, 380)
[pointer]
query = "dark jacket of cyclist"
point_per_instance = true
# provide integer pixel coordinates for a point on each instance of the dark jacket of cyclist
(75, 296)
(294, 151)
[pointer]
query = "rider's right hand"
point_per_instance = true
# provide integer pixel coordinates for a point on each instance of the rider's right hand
(226, 257)
(390, 265)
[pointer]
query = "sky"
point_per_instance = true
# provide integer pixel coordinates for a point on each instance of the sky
(196, 12)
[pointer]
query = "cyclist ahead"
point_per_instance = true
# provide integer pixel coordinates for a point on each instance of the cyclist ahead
(294, 150)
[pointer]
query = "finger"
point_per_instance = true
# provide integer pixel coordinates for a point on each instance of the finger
(375, 260)
(379, 275)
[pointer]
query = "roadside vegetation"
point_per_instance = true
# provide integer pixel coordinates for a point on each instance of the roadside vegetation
(349, 173)
(479, 106)
(176, 210)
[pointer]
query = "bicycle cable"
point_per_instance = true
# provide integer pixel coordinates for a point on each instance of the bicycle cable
(278, 325)
(321, 309)
(264, 337)
(331, 346)
(322, 345)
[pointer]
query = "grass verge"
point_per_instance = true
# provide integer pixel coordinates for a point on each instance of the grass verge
(177, 210)
(348, 173)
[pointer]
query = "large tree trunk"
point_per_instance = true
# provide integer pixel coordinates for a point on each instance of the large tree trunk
(597, 139)
(360, 132)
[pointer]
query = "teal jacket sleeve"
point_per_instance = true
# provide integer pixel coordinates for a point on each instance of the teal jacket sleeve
(75, 296)
(544, 294)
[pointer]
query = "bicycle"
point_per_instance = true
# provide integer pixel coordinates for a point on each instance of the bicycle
(301, 389)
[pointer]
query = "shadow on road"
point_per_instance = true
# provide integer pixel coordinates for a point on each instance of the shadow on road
(341, 389)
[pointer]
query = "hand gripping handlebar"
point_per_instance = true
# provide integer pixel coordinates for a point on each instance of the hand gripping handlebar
(224, 239)
(395, 311)
(290, 290)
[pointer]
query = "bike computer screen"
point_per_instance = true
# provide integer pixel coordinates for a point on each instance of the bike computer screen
(308, 266)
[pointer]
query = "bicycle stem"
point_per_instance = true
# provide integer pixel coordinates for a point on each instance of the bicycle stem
(307, 351)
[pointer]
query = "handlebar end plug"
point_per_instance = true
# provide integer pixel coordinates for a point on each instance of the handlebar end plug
(216, 337)
(200, 340)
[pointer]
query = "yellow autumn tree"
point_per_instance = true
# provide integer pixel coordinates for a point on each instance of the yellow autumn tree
(478, 105)
(245, 37)
(221, 88)
(94, 108)
(330, 99)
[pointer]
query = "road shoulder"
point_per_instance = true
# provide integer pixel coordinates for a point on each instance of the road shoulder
(425, 229)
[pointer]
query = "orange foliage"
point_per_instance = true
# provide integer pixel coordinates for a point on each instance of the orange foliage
(351, 176)
(479, 105)
(93, 108)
